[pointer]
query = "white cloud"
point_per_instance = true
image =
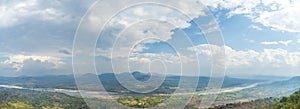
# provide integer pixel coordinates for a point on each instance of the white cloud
(279, 15)
(32, 67)
(148, 57)
(139, 48)
(285, 18)
(19, 65)
(142, 32)
(286, 43)
(270, 43)
(263, 62)
(17, 61)
(142, 20)
(177, 16)
(255, 27)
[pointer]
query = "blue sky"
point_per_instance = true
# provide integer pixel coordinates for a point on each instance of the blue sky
(239, 34)
(260, 37)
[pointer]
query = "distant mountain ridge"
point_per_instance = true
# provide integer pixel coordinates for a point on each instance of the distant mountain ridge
(57, 81)
(111, 83)
(292, 82)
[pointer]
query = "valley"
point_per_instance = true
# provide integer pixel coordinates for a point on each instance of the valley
(233, 91)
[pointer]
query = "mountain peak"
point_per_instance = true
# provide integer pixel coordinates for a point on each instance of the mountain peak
(141, 76)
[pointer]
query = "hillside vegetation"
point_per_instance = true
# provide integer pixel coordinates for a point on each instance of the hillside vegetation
(290, 102)
(27, 99)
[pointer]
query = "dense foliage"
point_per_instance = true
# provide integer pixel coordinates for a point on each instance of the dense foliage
(27, 99)
(141, 101)
(291, 102)
(267, 103)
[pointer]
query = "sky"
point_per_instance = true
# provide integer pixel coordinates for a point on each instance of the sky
(261, 37)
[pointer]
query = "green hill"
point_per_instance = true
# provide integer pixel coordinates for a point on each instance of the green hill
(28, 99)
(290, 102)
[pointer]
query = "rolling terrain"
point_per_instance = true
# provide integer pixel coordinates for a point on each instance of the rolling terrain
(28, 99)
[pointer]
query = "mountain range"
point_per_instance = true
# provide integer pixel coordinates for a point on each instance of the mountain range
(111, 83)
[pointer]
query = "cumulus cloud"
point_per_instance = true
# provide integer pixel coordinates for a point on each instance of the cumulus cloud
(18, 60)
(17, 65)
(32, 67)
(237, 62)
(144, 21)
(257, 62)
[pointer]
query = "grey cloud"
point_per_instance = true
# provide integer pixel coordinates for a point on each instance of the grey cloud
(34, 67)
(65, 52)
(33, 35)
(37, 68)
(7, 70)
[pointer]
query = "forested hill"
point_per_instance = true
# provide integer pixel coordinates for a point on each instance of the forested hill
(290, 102)
(267, 103)
(28, 99)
